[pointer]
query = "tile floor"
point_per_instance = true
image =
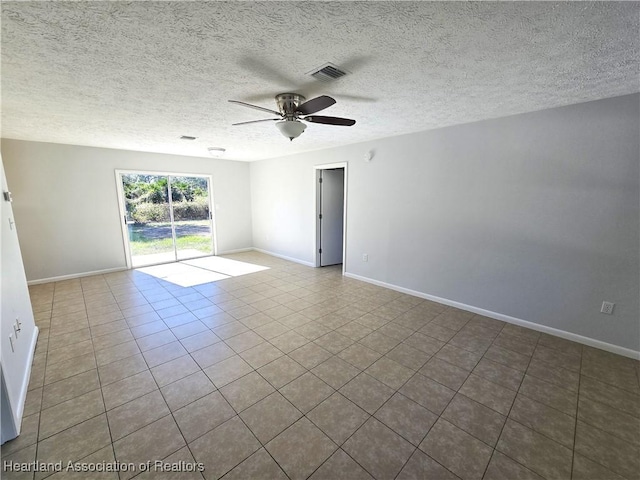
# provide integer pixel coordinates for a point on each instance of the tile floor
(295, 372)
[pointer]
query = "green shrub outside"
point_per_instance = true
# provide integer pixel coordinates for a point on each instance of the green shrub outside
(144, 212)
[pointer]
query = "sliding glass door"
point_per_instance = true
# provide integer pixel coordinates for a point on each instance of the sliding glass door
(166, 217)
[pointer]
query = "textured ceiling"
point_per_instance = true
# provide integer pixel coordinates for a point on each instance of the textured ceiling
(137, 75)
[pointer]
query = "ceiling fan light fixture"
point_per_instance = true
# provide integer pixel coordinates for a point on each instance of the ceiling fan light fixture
(216, 151)
(291, 128)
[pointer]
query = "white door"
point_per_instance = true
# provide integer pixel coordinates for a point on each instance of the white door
(331, 216)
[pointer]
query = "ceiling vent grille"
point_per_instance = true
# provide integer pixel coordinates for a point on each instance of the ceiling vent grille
(327, 73)
(187, 137)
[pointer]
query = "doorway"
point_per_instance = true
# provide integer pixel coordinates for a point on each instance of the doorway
(330, 214)
(165, 217)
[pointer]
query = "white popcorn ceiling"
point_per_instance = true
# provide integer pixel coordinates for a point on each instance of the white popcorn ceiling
(137, 75)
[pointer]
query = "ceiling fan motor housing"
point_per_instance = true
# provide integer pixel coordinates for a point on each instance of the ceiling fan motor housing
(288, 103)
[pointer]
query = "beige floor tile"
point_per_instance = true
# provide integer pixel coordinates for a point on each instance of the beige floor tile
(270, 416)
(502, 467)
(288, 320)
(281, 371)
(422, 466)
(310, 355)
(585, 469)
(259, 466)
(246, 391)
(164, 354)
(535, 451)
(340, 465)
(488, 393)
(338, 417)
(445, 373)
(69, 368)
(480, 421)
(367, 392)
(128, 388)
(25, 455)
(203, 415)
(300, 449)
(153, 442)
(497, 373)
(199, 341)
(458, 451)
(381, 451)
(121, 369)
(261, 355)
(136, 414)
(117, 352)
(187, 390)
(603, 448)
(156, 340)
(458, 356)
(360, 356)
(71, 387)
(335, 372)
(611, 420)
(174, 370)
(306, 391)
(507, 357)
(224, 447)
(560, 377)
(545, 420)
(428, 393)
(406, 418)
(76, 442)
(69, 413)
(559, 398)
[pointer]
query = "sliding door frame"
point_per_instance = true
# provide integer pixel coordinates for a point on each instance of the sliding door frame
(123, 211)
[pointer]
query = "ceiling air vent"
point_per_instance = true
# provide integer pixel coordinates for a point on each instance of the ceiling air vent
(327, 73)
(187, 137)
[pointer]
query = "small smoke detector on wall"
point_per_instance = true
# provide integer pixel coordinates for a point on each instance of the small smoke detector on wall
(216, 151)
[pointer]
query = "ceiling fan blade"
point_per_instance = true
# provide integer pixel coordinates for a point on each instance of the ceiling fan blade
(256, 107)
(257, 121)
(346, 122)
(315, 105)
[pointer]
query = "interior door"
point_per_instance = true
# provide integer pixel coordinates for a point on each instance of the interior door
(331, 216)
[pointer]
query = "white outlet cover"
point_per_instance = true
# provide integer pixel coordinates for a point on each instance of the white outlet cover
(607, 308)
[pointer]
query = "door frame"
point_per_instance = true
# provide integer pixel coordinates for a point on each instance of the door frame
(316, 173)
(123, 211)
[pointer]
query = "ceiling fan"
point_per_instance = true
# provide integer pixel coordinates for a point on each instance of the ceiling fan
(292, 109)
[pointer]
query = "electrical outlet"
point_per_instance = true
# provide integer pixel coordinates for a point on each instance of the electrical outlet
(365, 257)
(607, 307)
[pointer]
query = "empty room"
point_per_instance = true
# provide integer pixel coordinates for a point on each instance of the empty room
(320, 240)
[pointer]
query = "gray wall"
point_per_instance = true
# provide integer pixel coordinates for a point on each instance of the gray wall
(533, 216)
(66, 204)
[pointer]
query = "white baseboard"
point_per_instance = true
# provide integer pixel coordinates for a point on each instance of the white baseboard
(237, 250)
(284, 257)
(75, 275)
(574, 337)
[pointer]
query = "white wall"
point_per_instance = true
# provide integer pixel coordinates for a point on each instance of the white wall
(66, 204)
(15, 362)
(532, 216)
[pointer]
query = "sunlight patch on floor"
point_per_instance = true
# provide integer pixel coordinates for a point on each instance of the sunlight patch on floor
(233, 268)
(198, 271)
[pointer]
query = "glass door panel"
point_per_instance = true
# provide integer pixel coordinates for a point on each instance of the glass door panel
(148, 218)
(191, 216)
